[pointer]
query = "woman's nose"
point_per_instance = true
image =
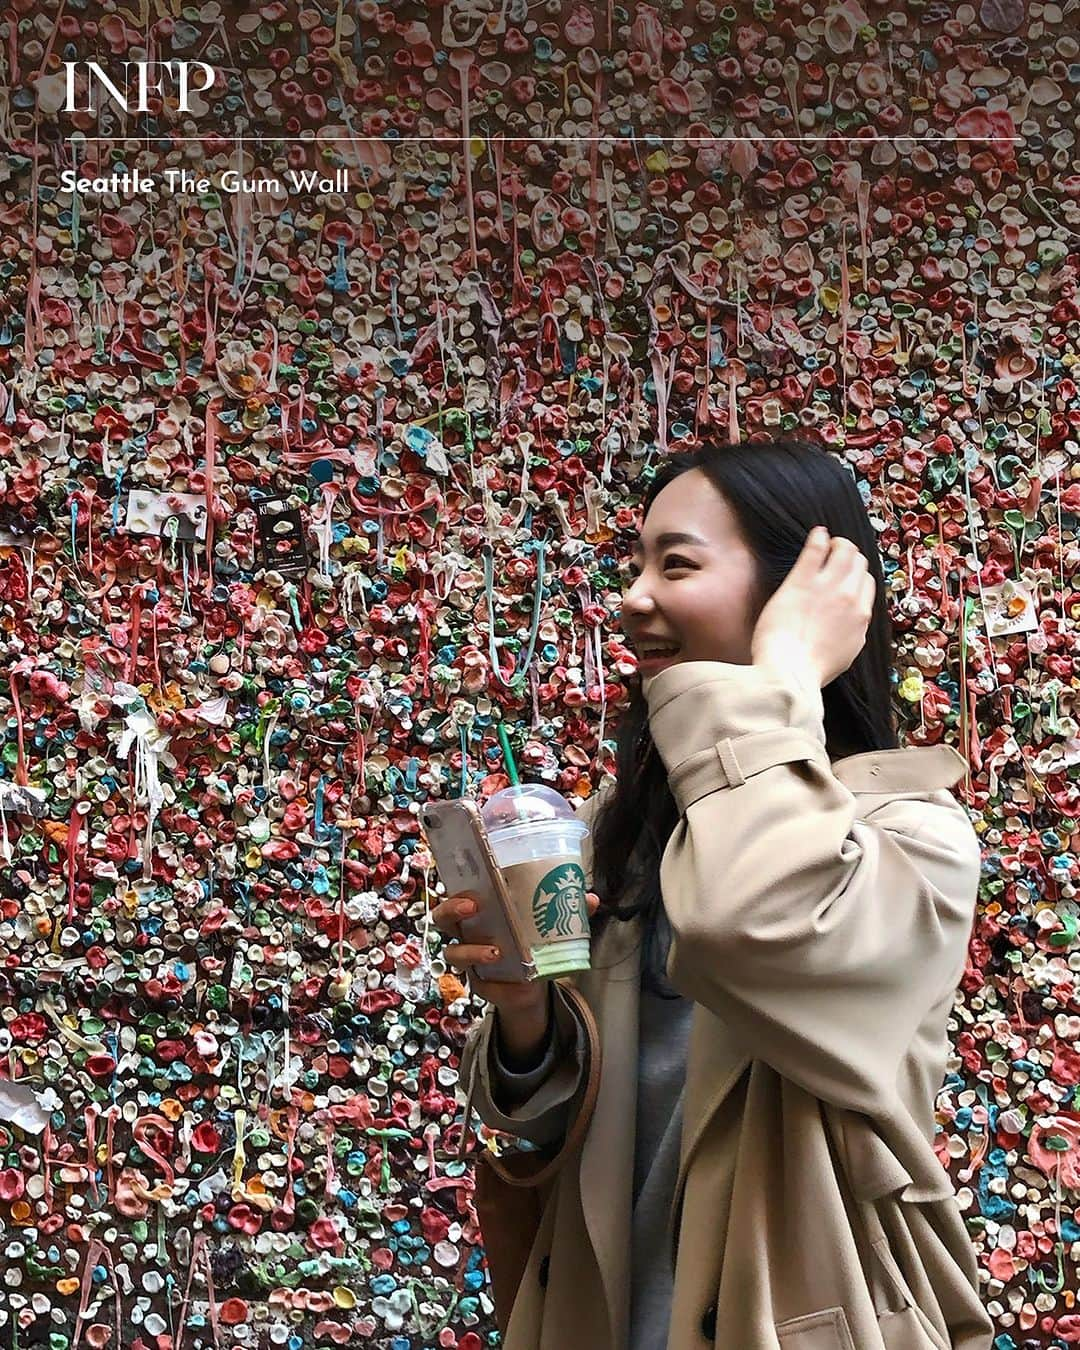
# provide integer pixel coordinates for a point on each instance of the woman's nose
(636, 598)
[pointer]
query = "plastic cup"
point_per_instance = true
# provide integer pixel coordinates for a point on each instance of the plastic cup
(536, 838)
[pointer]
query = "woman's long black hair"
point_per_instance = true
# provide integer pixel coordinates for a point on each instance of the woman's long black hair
(778, 491)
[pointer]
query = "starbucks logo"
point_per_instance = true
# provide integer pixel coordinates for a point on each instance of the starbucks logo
(558, 899)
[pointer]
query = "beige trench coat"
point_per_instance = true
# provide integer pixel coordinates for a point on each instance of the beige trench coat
(820, 915)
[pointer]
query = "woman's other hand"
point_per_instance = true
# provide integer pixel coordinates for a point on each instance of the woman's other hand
(471, 957)
(815, 624)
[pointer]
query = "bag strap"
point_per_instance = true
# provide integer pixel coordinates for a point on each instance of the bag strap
(576, 1132)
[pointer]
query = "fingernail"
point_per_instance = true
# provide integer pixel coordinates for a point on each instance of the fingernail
(469, 907)
(494, 953)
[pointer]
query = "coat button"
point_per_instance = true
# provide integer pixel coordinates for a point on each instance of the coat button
(708, 1323)
(542, 1274)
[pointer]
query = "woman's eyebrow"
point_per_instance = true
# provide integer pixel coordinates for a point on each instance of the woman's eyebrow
(672, 537)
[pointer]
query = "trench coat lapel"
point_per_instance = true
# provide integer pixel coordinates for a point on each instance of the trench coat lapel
(612, 988)
(607, 1157)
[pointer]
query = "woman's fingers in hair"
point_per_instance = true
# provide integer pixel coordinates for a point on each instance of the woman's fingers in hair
(847, 569)
(816, 549)
(843, 553)
(869, 592)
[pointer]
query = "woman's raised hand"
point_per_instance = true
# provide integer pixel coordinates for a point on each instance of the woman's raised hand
(815, 623)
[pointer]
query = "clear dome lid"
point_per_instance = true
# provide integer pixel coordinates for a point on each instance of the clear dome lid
(525, 804)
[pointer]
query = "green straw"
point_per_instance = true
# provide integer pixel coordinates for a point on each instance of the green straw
(511, 767)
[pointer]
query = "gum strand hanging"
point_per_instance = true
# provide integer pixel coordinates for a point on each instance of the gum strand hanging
(378, 397)
(1040, 414)
(5, 841)
(663, 373)
(198, 1253)
(380, 547)
(599, 105)
(593, 492)
(633, 431)
(252, 266)
(395, 312)
(290, 593)
(134, 633)
(461, 60)
(461, 716)
(339, 278)
(463, 737)
(601, 680)
(117, 484)
(97, 1255)
(845, 315)
(977, 570)
(268, 719)
(1059, 1246)
(496, 148)
(211, 430)
(584, 595)
(352, 585)
(528, 499)
(360, 747)
(942, 552)
(524, 444)
(539, 547)
(33, 321)
(97, 304)
(492, 511)
(79, 499)
(324, 528)
(74, 507)
(428, 1326)
(534, 692)
(171, 533)
(862, 199)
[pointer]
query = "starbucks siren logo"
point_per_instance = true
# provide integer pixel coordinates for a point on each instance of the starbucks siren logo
(558, 898)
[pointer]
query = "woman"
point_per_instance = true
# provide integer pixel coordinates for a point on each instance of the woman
(787, 899)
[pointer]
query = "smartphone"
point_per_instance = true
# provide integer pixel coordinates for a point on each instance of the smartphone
(455, 834)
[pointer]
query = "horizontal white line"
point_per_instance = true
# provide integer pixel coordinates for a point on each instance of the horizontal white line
(449, 141)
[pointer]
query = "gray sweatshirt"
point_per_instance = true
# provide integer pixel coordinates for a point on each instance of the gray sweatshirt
(663, 1036)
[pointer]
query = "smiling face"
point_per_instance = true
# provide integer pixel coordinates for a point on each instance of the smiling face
(695, 593)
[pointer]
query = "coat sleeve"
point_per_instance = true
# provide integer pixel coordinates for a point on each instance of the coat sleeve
(821, 935)
(537, 1106)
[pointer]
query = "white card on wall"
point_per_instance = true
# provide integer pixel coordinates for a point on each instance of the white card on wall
(1009, 609)
(150, 513)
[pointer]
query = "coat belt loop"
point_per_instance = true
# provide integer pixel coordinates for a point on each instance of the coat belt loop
(725, 753)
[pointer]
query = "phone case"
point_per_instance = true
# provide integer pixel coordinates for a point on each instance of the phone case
(455, 834)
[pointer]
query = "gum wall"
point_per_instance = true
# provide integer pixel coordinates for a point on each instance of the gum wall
(304, 490)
